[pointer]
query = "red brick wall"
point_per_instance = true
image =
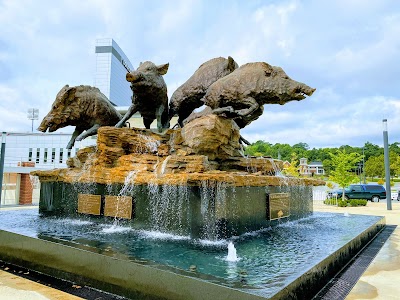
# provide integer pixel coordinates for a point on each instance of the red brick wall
(25, 191)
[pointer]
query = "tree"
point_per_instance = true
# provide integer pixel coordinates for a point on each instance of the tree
(375, 166)
(292, 170)
(371, 150)
(343, 163)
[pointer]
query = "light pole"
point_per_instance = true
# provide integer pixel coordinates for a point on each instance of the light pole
(363, 164)
(33, 114)
(387, 165)
(3, 150)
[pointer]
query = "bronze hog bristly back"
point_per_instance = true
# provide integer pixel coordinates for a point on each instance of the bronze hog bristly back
(189, 95)
(150, 97)
(242, 94)
(84, 107)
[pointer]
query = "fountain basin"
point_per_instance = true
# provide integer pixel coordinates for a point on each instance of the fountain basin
(210, 211)
(290, 260)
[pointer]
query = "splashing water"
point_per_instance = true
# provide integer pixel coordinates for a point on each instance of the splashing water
(232, 256)
(151, 144)
(115, 228)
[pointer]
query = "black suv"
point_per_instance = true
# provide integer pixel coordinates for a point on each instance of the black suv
(373, 192)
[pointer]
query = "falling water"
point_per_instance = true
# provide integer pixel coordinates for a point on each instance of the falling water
(212, 207)
(151, 144)
(129, 184)
(277, 171)
(168, 208)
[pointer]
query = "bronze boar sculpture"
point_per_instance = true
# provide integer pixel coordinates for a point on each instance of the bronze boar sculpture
(150, 97)
(82, 106)
(188, 96)
(241, 95)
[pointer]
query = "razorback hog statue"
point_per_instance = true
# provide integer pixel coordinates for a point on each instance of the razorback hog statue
(242, 94)
(82, 106)
(150, 97)
(188, 96)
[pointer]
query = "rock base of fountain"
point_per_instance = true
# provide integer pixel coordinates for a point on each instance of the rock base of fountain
(191, 181)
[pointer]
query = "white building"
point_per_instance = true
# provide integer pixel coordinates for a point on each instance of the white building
(26, 152)
(308, 169)
(111, 67)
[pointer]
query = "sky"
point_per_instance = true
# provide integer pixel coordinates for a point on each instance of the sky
(349, 50)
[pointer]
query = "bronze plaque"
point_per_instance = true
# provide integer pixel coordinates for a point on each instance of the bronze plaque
(118, 207)
(89, 204)
(278, 205)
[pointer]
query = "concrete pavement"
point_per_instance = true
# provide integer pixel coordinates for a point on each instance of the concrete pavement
(381, 280)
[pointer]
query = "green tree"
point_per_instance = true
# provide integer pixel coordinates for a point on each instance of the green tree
(371, 150)
(375, 166)
(343, 163)
(292, 170)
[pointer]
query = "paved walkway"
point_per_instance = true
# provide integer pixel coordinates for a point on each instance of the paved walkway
(381, 280)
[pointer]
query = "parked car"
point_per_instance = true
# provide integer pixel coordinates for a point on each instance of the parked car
(372, 192)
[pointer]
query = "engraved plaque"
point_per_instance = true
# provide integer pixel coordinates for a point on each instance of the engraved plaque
(89, 204)
(118, 206)
(278, 205)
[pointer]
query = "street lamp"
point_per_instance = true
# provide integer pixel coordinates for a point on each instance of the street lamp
(387, 164)
(2, 155)
(33, 114)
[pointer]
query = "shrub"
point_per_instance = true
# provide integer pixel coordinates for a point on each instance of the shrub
(362, 202)
(380, 181)
(342, 203)
(353, 202)
(358, 202)
(331, 201)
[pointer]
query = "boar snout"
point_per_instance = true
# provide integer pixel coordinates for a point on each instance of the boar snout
(133, 77)
(301, 91)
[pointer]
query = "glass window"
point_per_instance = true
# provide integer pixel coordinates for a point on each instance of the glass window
(37, 155)
(30, 154)
(45, 155)
(61, 155)
(53, 154)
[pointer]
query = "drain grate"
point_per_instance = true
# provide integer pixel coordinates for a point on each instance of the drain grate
(340, 286)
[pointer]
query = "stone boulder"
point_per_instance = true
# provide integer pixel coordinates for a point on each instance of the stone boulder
(213, 136)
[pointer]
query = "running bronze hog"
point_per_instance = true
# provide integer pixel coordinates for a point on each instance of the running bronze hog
(150, 97)
(188, 96)
(242, 94)
(82, 106)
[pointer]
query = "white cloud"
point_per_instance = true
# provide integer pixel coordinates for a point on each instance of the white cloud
(347, 49)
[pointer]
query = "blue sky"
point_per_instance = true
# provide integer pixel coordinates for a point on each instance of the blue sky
(349, 50)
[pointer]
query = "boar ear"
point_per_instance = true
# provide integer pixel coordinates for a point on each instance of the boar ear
(163, 69)
(70, 94)
(232, 65)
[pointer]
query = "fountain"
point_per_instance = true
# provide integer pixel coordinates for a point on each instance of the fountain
(151, 214)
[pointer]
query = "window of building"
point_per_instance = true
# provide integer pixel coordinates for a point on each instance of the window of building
(69, 153)
(61, 155)
(37, 155)
(45, 155)
(53, 155)
(30, 154)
